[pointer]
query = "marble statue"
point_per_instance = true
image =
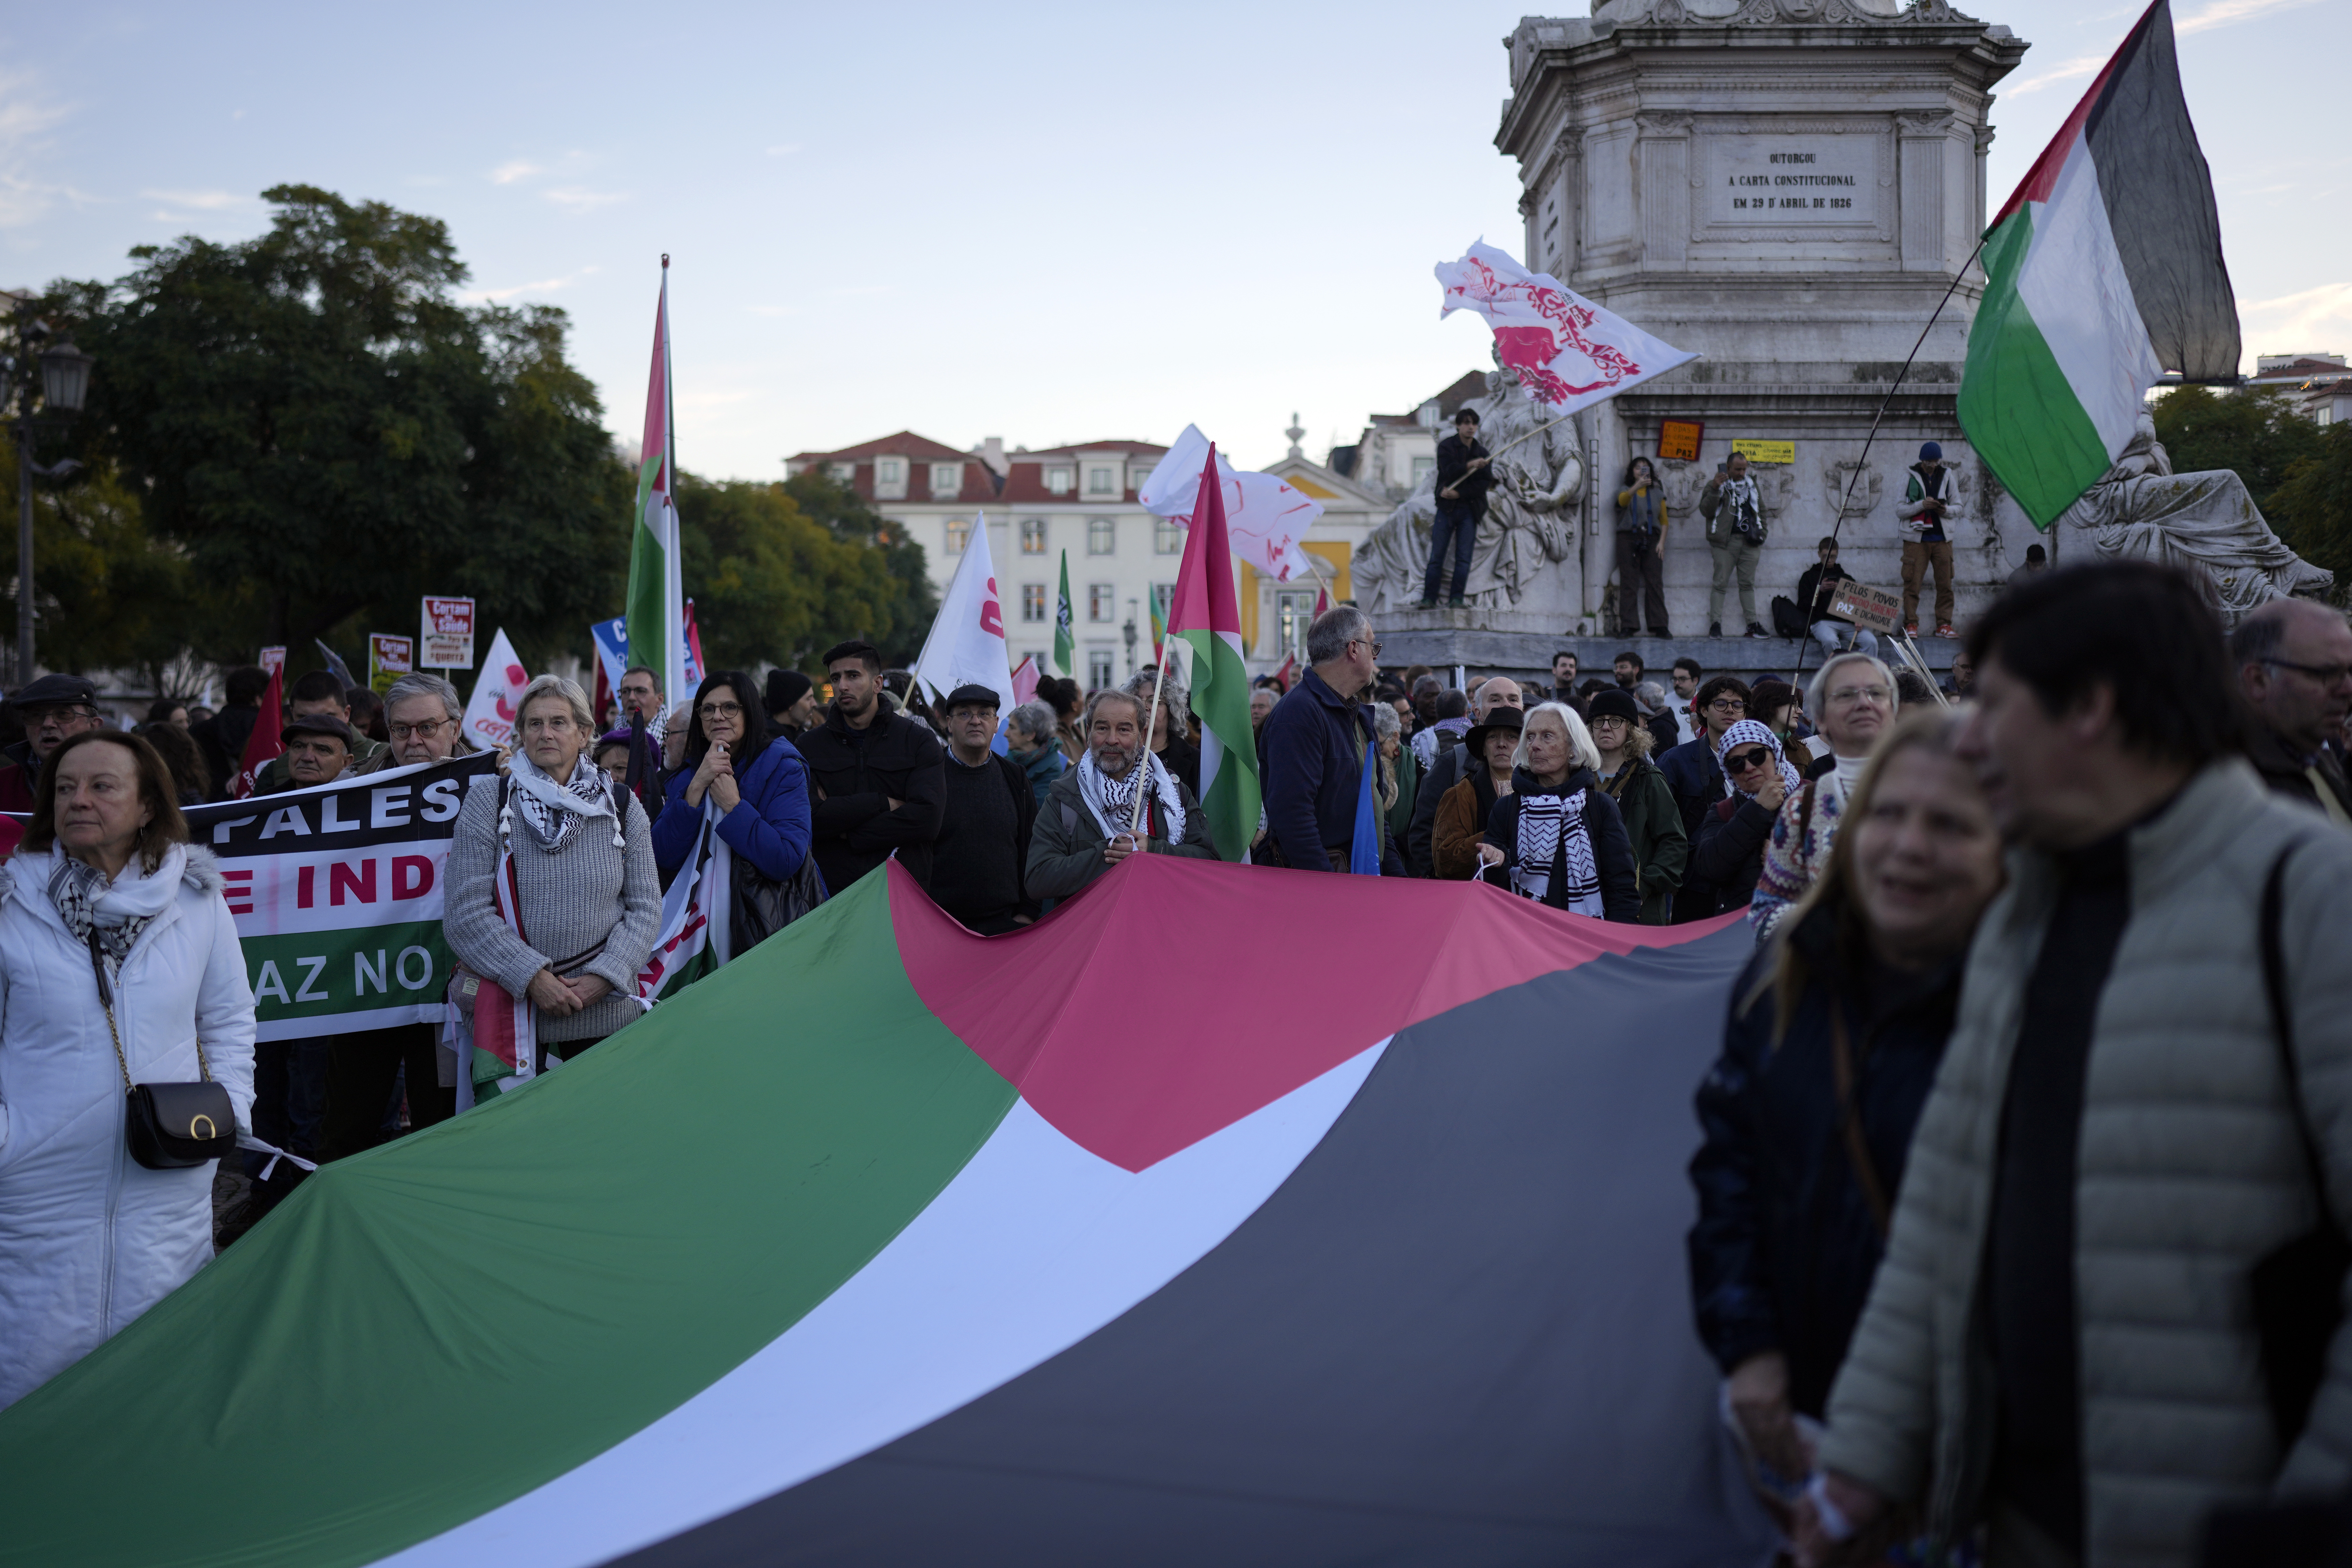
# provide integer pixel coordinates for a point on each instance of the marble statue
(2205, 523)
(1530, 521)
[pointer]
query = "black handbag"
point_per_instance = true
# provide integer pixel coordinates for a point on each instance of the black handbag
(764, 906)
(168, 1126)
(2298, 1287)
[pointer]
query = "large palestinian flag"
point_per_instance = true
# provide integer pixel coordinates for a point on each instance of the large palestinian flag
(1123, 1240)
(2104, 271)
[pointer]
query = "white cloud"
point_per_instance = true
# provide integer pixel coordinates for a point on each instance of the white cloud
(544, 286)
(2226, 12)
(508, 174)
(24, 119)
(2295, 322)
(203, 201)
(783, 149)
(2072, 70)
(580, 199)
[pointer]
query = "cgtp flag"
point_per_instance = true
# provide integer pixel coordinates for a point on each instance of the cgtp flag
(1264, 518)
(490, 712)
(1570, 352)
(967, 641)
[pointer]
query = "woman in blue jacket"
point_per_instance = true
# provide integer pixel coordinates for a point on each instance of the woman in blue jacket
(755, 788)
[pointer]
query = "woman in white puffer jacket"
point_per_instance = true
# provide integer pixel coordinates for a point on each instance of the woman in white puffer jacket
(89, 1238)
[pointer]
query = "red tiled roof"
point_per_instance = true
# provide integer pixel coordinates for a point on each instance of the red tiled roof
(1025, 485)
(905, 444)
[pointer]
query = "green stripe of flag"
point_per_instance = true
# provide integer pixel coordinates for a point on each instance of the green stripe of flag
(425, 1331)
(1220, 696)
(2016, 404)
(646, 608)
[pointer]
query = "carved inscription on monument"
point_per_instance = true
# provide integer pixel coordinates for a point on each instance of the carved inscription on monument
(1778, 182)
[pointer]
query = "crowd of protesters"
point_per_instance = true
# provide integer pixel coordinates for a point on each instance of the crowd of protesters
(2018, 1166)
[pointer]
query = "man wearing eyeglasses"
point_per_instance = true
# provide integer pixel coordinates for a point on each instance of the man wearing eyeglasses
(2295, 665)
(1697, 776)
(422, 713)
(1315, 742)
(53, 709)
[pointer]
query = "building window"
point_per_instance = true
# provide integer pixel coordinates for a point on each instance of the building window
(1099, 670)
(1135, 474)
(1059, 480)
(1293, 613)
(890, 478)
(842, 472)
(959, 534)
(1032, 536)
(1101, 534)
(1033, 602)
(1102, 602)
(947, 480)
(1422, 467)
(1167, 539)
(1102, 481)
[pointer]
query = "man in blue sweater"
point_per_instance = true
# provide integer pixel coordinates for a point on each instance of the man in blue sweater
(1315, 742)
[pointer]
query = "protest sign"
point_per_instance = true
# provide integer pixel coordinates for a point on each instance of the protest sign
(1873, 610)
(1765, 451)
(389, 658)
(337, 893)
(273, 659)
(490, 712)
(1680, 438)
(448, 641)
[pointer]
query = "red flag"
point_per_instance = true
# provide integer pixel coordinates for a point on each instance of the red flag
(267, 739)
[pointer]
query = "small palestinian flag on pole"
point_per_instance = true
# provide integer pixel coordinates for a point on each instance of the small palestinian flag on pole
(1066, 641)
(1204, 614)
(2104, 271)
(657, 603)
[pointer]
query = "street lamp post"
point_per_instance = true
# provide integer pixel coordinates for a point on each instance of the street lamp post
(1128, 631)
(57, 377)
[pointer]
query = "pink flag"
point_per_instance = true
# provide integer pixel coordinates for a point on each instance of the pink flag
(1568, 352)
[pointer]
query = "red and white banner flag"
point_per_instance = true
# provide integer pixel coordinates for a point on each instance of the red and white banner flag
(1570, 352)
(1265, 517)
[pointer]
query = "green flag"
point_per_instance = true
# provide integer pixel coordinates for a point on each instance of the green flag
(1065, 643)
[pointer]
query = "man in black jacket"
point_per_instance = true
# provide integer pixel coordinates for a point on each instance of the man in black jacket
(877, 779)
(2295, 666)
(1463, 480)
(984, 825)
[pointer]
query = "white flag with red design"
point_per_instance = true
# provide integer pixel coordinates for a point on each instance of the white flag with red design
(966, 647)
(1264, 518)
(1570, 352)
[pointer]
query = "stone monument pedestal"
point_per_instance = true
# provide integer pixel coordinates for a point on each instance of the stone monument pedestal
(1789, 187)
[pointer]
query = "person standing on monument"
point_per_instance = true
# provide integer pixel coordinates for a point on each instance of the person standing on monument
(1640, 552)
(1464, 478)
(1929, 492)
(1733, 510)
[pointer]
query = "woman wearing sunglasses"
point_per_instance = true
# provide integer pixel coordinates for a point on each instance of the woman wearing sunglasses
(1557, 837)
(1727, 853)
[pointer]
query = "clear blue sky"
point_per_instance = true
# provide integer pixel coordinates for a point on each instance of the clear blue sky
(1049, 222)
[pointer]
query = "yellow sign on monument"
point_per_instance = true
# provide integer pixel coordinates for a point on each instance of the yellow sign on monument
(1767, 451)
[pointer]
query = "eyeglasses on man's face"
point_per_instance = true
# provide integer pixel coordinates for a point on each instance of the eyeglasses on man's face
(2325, 674)
(1846, 695)
(1728, 705)
(1365, 642)
(429, 730)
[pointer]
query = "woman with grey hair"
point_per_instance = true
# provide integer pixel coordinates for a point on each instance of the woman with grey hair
(1852, 697)
(1171, 728)
(1557, 837)
(425, 718)
(553, 900)
(1033, 739)
(1399, 778)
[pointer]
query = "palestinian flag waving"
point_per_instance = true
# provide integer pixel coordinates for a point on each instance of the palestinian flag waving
(2102, 273)
(1206, 615)
(908, 1272)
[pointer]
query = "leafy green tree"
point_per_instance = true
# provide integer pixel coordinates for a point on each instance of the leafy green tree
(107, 595)
(2312, 510)
(2252, 431)
(327, 434)
(772, 584)
(903, 621)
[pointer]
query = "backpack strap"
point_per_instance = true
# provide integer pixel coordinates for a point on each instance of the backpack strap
(2275, 988)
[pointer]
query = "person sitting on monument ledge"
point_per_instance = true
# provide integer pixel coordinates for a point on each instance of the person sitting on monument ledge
(1088, 822)
(1464, 478)
(1930, 491)
(1733, 510)
(1815, 589)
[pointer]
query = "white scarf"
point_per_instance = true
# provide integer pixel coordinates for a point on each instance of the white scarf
(1552, 825)
(117, 911)
(554, 809)
(1113, 800)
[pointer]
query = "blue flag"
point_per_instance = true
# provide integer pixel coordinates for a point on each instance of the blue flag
(1364, 851)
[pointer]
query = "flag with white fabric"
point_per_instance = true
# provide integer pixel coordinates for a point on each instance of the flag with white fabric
(1570, 352)
(1265, 517)
(966, 642)
(490, 715)
(657, 602)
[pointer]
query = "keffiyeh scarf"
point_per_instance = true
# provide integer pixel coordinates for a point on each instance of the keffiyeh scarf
(554, 809)
(1553, 835)
(1113, 800)
(1744, 732)
(117, 911)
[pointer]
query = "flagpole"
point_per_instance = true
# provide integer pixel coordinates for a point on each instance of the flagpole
(674, 562)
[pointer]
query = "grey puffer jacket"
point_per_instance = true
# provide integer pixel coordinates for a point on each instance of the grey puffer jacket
(585, 895)
(2189, 1171)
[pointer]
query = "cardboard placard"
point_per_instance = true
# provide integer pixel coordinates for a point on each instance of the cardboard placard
(389, 658)
(1679, 438)
(1873, 609)
(1765, 451)
(449, 640)
(273, 659)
